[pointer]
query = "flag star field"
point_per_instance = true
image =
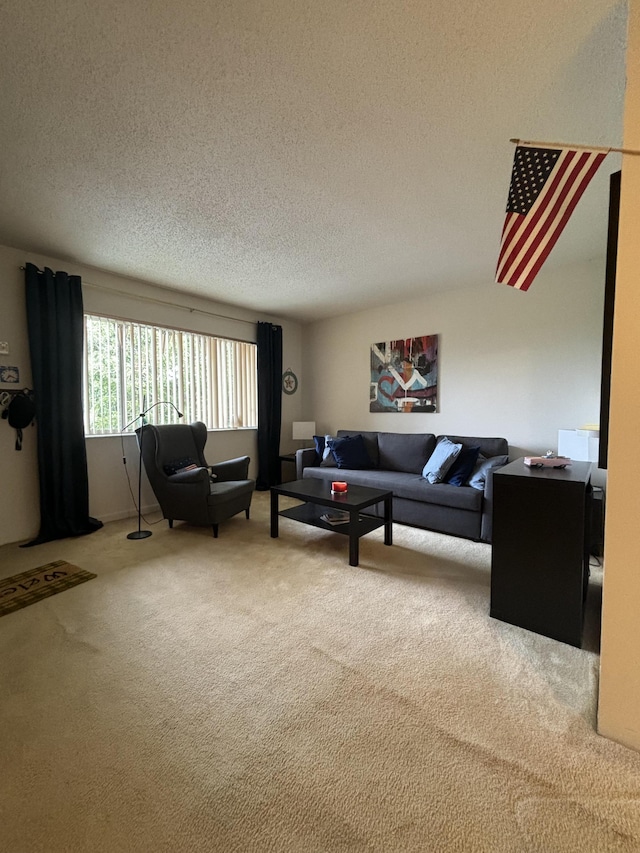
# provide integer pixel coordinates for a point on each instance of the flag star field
(531, 168)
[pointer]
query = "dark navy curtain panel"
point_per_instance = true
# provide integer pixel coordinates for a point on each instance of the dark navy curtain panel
(55, 324)
(269, 404)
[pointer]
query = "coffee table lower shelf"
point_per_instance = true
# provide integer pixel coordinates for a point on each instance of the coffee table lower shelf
(311, 514)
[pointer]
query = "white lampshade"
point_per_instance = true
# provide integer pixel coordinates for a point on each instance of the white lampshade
(579, 444)
(303, 429)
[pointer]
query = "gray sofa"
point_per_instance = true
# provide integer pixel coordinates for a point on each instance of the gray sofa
(398, 460)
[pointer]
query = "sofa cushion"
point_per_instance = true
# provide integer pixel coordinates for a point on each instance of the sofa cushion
(416, 488)
(463, 466)
(478, 478)
(350, 452)
(441, 460)
(406, 452)
(408, 486)
(372, 477)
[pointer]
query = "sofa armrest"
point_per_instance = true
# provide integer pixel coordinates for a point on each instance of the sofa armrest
(188, 478)
(486, 530)
(231, 469)
(177, 489)
(305, 458)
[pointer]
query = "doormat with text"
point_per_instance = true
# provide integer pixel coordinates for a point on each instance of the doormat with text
(26, 588)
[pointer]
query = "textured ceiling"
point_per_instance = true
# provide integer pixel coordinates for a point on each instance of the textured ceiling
(296, 157)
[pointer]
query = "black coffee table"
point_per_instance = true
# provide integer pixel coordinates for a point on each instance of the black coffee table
(317, 498)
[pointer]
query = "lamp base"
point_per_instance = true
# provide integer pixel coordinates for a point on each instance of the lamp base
(139, 534)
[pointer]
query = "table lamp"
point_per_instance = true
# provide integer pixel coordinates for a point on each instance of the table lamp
(303, 430)
(579, 444)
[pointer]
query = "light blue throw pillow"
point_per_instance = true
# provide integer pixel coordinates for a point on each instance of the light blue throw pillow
(328, 459)
(478, 478)
(442, 458)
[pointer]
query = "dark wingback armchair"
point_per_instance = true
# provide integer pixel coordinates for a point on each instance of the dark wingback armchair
(204, 494)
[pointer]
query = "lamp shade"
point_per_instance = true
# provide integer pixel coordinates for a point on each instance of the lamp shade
(303, 429)
(579, 444)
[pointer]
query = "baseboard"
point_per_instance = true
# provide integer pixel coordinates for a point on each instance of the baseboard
(105, 518)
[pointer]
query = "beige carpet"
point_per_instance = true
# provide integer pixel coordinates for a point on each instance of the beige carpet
(249, 694)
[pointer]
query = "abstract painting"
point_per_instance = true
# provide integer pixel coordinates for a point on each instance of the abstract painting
(404, 375)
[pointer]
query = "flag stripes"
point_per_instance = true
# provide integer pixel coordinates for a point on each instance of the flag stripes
(528, 239)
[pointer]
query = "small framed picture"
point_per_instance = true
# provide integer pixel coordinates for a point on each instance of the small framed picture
(289, 382)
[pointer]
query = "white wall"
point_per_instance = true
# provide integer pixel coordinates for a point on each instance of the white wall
(109, 495)
(512, 364)
(19, 494)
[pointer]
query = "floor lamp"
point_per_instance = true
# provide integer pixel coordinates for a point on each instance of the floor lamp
(139, 533)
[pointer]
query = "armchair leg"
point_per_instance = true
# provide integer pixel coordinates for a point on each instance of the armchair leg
(170, 520)
(246, 512)
(215, 531)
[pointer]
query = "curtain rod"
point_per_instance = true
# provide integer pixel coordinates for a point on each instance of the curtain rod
(571, 145)
(166, 302)
(163, 302)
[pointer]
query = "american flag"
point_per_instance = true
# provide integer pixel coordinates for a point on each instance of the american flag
(546, 184)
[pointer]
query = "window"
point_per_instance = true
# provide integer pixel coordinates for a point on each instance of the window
(129, 366)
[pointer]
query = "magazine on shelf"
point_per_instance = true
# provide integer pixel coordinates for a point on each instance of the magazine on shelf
(335, 517)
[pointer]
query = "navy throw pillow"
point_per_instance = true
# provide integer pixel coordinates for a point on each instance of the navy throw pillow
(461, 469)
(318, 440)
(350, 452)
(177, 465)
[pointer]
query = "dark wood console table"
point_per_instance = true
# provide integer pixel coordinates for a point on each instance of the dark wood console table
(291, 459)
(540, 549)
